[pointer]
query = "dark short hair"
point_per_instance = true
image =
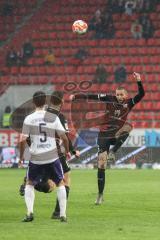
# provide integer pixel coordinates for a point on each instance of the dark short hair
(39, 98)
(57, 97)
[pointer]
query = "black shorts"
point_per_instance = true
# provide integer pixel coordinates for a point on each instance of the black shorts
(37, 173)
(104, 142)
(64, 163)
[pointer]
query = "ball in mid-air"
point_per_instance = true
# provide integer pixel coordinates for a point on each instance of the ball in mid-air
(80, 27)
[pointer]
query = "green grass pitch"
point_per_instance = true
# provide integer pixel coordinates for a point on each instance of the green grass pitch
(131, 210)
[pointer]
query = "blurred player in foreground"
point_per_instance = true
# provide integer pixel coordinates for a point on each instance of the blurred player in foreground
(44, 153)
(47, 185)
(114, 129)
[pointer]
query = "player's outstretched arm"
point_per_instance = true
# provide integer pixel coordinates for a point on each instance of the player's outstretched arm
(96, 97)
(84, 96)
(141, 91)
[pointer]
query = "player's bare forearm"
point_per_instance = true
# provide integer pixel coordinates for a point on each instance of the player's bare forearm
(66, 146)
(22, 145)
(65, 142)
(71, 148)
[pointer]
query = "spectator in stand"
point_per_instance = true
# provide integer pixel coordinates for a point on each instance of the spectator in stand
(81, 54)
(112, 6)
(109, 32)
(28, 50)
(79, 57)
(121, 5)
(116, 6)
(143, 19)
(130, 7)
(20, 59)
(147, 25)
(7, 9)
(139, 5)
(6, 117)
(149, 5)
(107, 27)
(96, 20)
(148, 30)
(49, 59)
(101, 74)
(11, 58)
(120, 74)
(136, 29)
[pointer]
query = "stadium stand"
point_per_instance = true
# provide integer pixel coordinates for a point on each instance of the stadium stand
(53, 30)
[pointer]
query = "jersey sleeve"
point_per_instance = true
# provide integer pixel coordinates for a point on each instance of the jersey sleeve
(64, 122)
(25, 130)
(139, 96)
(26, 127)
(59, 128)
(96, 97)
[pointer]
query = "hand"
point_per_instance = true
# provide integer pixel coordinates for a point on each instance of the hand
(68, 156)
(137, 76)
(72, 97)
(20, 163)
(77, 153)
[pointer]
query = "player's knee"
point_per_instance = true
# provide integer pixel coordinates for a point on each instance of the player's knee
(29, 182)
(102, 165)
(61, 183)
(52, 185)
(129, 128)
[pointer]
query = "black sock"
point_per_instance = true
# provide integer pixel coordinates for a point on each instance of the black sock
(101, 180)
(67, 191)
(57, 208)
(120, 140)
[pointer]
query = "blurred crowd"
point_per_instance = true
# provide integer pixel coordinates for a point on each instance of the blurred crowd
(102, 22)
(20, 58)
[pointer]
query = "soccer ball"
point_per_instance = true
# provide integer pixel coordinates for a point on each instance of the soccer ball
(79, 27)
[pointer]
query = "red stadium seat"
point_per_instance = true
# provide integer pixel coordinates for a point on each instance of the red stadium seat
(145, 59)
(113, 51)
(148, 68)
(116, 60)
(15, 70)
(156, 68)
(123, 51)
(131, 42)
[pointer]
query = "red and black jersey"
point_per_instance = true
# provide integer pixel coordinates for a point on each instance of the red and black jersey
(116, 113)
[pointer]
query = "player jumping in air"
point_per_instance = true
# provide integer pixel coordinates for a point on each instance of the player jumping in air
(114, 130)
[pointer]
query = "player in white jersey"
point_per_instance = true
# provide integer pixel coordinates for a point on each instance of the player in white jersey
(44, 154)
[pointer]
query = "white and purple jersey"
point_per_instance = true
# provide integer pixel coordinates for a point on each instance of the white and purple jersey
(42, 135)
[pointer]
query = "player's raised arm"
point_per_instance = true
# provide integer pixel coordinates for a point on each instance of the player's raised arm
(141, 91)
